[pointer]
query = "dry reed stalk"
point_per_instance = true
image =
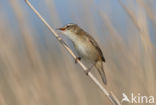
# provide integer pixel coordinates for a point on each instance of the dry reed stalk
(110, 96)
(50, 5)
(148, 50)
(112, 29)
(130, 14)
(135, 21)
(26, 35)
(148, 10)
(2, 100)
(142, 27)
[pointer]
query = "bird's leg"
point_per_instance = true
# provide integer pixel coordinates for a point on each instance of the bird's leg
(77, 58)
(89, 69)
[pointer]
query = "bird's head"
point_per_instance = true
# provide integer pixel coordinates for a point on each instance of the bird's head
(69, 29)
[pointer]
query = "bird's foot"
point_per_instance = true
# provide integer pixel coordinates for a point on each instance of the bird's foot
(77, 58)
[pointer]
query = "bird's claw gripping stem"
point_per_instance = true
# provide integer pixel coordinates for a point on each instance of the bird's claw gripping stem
(77, 58)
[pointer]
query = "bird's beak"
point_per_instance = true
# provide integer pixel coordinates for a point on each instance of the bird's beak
(61, 29)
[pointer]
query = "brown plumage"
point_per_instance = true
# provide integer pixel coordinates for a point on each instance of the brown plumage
(86, 47)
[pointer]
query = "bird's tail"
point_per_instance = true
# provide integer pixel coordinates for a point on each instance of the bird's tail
(99, 67)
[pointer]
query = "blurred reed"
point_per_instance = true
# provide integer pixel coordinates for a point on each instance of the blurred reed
(35, 70)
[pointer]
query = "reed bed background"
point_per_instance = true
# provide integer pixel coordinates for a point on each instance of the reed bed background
(36, 70)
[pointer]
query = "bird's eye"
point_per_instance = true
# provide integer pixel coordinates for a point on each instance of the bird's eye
(67, 27)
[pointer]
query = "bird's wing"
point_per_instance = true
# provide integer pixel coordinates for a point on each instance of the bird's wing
(91, 39)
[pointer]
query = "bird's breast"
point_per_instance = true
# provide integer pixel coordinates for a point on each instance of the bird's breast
(85, 49)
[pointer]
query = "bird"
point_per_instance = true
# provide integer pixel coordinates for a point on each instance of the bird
(86, 47)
